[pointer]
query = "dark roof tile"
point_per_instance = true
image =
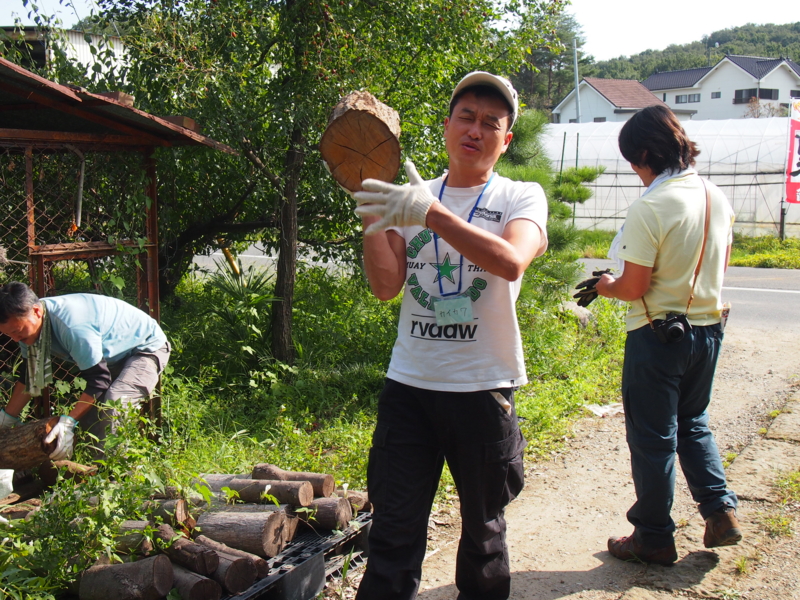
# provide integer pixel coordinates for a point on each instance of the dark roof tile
(670, 80)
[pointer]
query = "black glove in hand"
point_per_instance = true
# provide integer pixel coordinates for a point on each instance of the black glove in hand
(587, 288)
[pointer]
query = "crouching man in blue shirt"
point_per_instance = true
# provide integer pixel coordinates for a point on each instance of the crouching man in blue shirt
(119, 350)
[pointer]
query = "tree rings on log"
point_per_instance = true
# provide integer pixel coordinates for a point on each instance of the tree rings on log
(361, 141)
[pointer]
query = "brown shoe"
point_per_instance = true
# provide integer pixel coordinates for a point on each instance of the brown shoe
(627, 548)
(722, 528)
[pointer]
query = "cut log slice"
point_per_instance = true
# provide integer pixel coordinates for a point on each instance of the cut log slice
(147, 579)
(359, 501)
(327, 513)
(192, 586)
(323, 484)
(23, 447)
(261, 533)
(261, 565)
(361, 141)
(235, 574)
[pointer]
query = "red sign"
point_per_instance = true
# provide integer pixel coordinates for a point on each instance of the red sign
(793, 167)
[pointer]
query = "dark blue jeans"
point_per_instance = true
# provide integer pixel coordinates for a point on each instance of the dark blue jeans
(666, 389)
(417, 431)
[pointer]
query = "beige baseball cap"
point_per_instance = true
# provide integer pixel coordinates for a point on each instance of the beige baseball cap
(502, 85)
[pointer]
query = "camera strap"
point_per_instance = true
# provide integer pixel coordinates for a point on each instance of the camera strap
(699, 260)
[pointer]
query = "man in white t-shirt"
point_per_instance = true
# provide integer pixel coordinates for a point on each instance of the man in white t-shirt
(459, 244)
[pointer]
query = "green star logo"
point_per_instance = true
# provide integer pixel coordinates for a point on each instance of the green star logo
(446, 269)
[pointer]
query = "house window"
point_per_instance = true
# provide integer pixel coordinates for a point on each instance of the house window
(682, 99)
(599, 119)
(694, 97)
(665, 97)
(573, 120)
(743, 96)
(767, 94)
(794, 93)
(715, 95)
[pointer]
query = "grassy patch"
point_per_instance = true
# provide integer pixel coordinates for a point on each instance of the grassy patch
(595, 243)
(789, 488)
(765, 251)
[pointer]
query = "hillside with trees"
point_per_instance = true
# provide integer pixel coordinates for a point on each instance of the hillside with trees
(548, 75)
(752, 40)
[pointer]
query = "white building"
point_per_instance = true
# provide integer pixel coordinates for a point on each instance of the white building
(77, 47)
(608, 100)
(736, 87)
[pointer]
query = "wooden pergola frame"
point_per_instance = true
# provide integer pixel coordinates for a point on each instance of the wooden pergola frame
(92, 123)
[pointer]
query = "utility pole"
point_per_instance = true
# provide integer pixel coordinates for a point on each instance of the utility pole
(577, 79)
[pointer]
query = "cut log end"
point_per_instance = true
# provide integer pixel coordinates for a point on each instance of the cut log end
(361, 141)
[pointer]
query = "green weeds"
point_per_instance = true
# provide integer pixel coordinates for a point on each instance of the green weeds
(765, 251)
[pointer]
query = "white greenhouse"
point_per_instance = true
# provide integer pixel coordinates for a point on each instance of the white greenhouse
(746, 158)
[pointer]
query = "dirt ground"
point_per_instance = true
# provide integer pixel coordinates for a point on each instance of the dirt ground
(558, 527)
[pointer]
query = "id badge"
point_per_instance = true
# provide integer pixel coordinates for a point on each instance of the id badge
(453, 310)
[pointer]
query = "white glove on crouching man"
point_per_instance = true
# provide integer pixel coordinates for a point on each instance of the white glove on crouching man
(396, 205)
(64, 436)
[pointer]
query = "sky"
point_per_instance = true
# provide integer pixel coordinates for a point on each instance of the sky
(612, 28)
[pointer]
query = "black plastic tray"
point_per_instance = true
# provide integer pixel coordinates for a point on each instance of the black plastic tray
(299, 572)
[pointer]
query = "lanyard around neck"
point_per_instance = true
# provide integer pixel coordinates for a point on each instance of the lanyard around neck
(436, 240)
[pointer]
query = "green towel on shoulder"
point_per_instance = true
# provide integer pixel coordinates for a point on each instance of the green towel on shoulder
(40, 365)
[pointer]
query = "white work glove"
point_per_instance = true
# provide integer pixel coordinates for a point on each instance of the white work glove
(63, 433)
(7, 421)
(397, 205)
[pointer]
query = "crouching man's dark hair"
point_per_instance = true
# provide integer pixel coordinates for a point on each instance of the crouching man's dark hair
(16, 300)
(654, 138)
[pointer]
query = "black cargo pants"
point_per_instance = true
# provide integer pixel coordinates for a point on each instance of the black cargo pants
(417, 431)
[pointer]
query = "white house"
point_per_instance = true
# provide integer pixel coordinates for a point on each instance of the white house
(74, 43)
(734, 88)
(608, 100)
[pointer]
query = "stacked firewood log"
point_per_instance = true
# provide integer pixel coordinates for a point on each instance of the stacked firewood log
(217, 538)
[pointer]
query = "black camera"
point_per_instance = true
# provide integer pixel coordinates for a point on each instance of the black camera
(672, 329)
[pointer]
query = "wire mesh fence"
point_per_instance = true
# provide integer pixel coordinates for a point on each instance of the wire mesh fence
(73, 221)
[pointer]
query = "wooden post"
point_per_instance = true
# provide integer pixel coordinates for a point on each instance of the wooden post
(297, 493)
(322, 484)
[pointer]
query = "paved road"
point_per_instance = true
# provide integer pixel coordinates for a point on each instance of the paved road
(767, 299)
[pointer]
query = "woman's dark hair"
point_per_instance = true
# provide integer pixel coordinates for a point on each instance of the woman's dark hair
(16, 300)
(654, 138)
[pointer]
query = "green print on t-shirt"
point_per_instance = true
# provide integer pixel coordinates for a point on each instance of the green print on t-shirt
(425, 300)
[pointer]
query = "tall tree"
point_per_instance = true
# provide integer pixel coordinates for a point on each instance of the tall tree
(262, 75)
(548, 73)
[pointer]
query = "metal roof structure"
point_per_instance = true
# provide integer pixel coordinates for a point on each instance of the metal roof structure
(35, 110)
(675, 79)
(759, 66)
